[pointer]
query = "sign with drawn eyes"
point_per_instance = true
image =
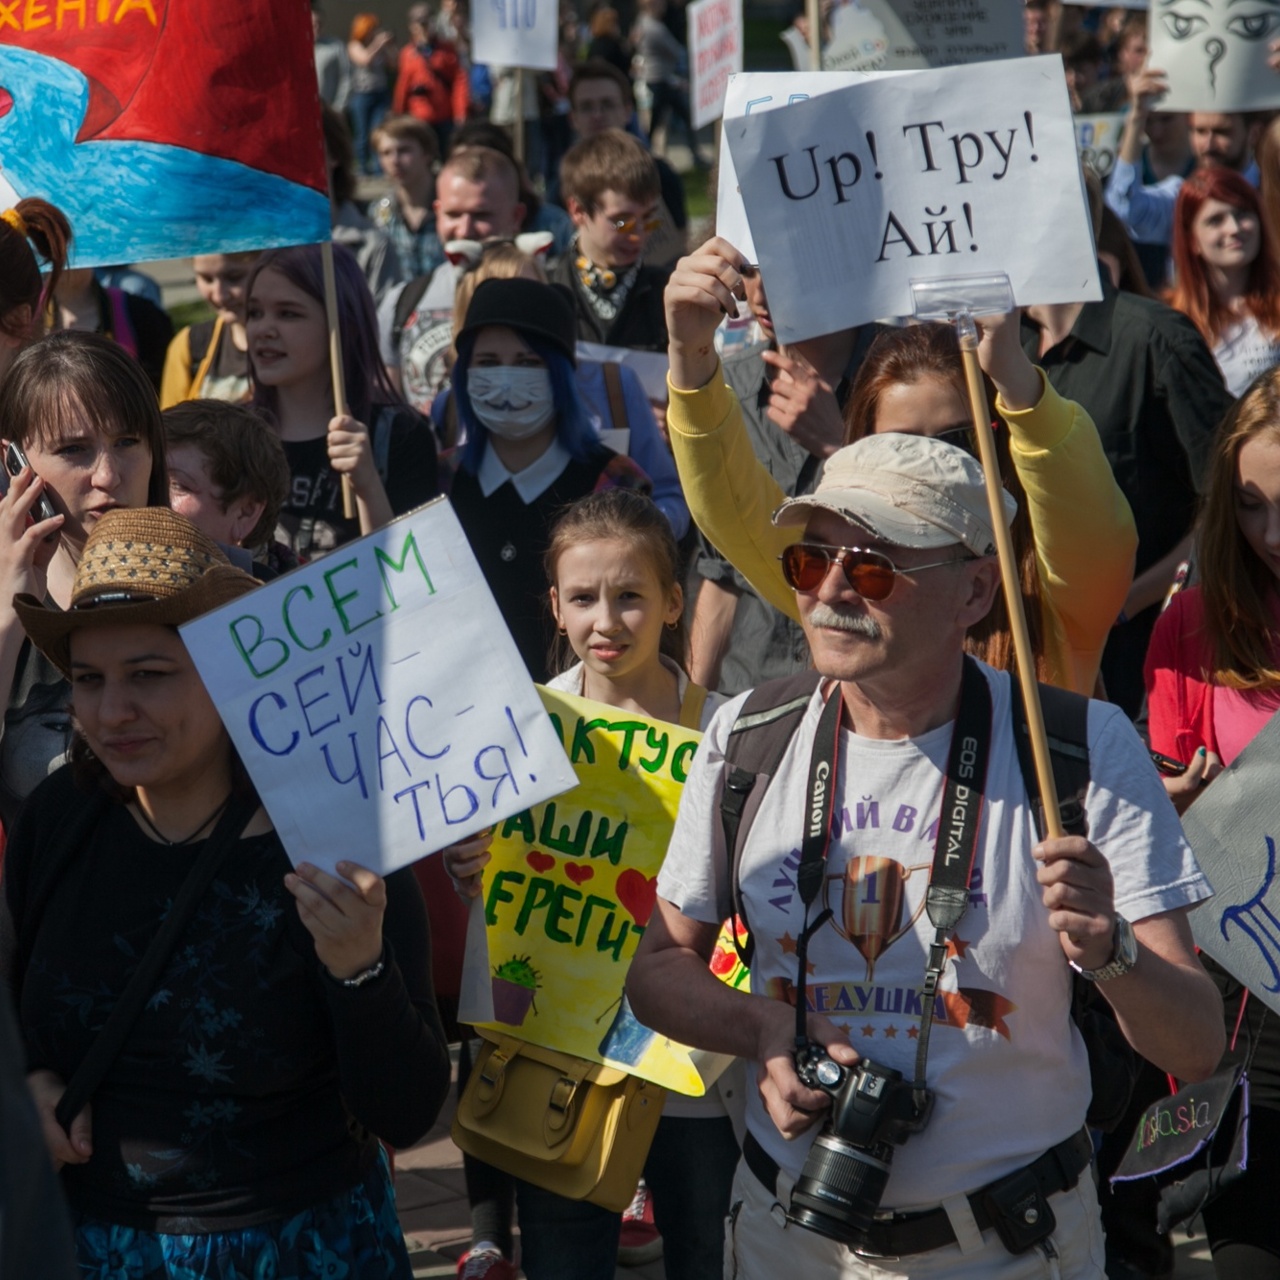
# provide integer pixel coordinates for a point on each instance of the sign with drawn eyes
(1215, 53)
(1233, 828)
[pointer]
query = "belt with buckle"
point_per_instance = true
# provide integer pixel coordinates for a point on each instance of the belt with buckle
(903, 1234)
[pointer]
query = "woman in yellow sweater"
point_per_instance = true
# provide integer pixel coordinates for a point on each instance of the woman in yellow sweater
(1075, 535)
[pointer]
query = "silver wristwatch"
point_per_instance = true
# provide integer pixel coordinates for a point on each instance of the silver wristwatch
(1124, 954)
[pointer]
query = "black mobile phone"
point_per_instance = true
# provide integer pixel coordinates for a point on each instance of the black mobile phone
(14, 461)
(1167, 765)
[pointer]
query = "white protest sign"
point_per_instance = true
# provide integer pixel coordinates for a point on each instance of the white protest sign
(1233, 828)
(715, 53)
(649, 366)
(755, 91)
(1215, 54)
(378, 700)
(919, 175)
(859, 41)
(903, 35)
(1098, 138)
(515, 33)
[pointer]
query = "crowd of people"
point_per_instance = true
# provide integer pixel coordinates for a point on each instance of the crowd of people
(218, 1050)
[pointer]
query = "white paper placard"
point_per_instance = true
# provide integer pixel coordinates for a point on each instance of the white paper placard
(753, 91)
(515, 33)
(378, 700)
(715, 53)
(649, 366)
(918, 175)
(1215, 54)
(1233, 829)
(1098, 138)
(904, 35)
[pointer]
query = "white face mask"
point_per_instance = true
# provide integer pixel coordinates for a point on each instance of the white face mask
(513, 403)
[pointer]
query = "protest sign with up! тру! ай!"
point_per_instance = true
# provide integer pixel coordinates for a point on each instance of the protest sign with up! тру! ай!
(377, 699)
(910, 176)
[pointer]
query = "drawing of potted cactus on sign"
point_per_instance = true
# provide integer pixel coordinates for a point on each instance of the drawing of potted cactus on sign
(515, 983)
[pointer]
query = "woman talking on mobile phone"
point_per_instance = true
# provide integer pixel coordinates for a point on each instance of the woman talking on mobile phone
(85, 417)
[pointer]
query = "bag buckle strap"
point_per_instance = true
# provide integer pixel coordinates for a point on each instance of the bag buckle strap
(493, 1067)
(560, 1103)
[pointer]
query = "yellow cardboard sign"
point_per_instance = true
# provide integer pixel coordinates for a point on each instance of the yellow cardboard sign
(572, 884)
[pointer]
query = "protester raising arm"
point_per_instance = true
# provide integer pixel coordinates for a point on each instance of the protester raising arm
(1147, 212)
(1082, 526)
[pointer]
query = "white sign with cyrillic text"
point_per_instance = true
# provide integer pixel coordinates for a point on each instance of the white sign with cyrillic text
(919, 175)
(755, 91)
(715, 53)
(899, 35)
(515, 33)
(378, 700)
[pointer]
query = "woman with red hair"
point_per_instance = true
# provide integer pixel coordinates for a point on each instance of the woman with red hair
(1227, 277)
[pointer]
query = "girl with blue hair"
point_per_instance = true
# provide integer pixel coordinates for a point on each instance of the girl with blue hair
(530, 446)
(385, 448)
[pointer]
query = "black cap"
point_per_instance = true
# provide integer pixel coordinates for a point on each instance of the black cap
(531, 308)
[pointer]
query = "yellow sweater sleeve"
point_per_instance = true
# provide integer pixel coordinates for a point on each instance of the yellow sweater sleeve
(175, 380)
(730, 493)
(1084, 532)
(1083, 527)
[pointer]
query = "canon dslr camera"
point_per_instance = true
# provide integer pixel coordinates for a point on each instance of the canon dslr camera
(873, 1109)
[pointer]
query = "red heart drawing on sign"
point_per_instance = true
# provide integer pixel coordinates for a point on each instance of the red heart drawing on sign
(637, 893)
(578, 872)
(540, 861)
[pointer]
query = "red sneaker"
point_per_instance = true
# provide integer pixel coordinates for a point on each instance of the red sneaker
(485, 1264)
(640, 1241)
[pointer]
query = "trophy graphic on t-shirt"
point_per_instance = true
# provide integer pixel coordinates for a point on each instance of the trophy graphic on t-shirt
(872, 895)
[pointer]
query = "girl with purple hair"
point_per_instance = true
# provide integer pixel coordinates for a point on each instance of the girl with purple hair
(385, 448)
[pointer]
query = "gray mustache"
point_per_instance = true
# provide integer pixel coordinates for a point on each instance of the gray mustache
(823, 615)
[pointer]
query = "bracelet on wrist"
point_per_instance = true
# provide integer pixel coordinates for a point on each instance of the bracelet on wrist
(358, 980)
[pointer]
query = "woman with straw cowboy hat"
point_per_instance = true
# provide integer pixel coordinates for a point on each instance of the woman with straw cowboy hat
(214, 1037)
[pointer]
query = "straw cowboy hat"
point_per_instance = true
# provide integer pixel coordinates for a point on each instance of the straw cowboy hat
(139, 565)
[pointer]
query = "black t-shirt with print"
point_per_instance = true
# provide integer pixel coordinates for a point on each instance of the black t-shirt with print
(311, 521)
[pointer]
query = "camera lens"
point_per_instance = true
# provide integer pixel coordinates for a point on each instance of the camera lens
(839, 1189)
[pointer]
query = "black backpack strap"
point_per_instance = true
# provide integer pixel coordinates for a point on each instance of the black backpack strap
(757, 742)
(406, 303)
(616, 396)
(380, 438)
(1066, 725)
(1113, 1064)
(199, 340)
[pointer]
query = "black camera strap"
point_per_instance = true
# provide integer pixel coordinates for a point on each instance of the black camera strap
(953, 853)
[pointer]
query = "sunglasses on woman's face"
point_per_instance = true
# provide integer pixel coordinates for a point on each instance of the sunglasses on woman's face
(963, 437)
(871, 574)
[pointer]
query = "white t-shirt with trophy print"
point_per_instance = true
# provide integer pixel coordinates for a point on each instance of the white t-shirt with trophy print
(1006, 1063)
